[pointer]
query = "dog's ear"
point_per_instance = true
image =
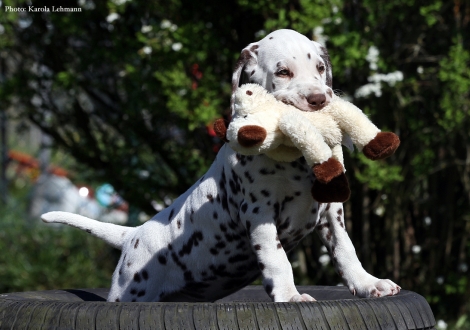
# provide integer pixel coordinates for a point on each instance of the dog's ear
(248, 58)
(326, 58)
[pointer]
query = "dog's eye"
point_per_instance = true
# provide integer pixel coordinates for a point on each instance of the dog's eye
(283, 72)
(321, 68)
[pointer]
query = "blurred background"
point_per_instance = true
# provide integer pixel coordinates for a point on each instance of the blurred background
(106, 109)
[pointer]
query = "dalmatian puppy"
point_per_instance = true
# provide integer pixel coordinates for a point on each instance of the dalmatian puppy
(240, 219)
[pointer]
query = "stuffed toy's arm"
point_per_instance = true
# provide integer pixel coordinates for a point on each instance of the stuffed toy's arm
(364, 134)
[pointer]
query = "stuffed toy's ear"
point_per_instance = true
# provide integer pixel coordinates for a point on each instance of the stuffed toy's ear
(220, 128)
(383, 145)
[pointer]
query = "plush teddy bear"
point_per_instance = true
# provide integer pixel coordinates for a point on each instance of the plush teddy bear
(262, 124)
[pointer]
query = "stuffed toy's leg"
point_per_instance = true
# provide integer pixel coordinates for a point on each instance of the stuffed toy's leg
(331, 185)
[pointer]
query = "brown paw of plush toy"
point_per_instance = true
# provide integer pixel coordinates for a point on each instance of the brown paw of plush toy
(326, 171)
(383, 145)
(335, 191)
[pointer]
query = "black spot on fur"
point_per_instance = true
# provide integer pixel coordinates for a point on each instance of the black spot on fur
(256, 210)
(252, 72)
(274, 86)
(257, 247)
(88, 231)
(215, 215)
(309, 56)
(178, 224)
(178, 262)
(223, 228)
(244, 207)
(279, 245)
(238, 258)
(265, 193)
(162, 259)
(269, 289)
(141, 293)
(137, 278)
(297, 177)
(191, 216)
(194, 240)
(253, 198)
(265, 171)
(249, 177)
(309, 225)
(133, 291)
(210, 198)
(261, 265)
(171, 215)
(145, 275)
(248, 225)
(280, 167)
(340, 211)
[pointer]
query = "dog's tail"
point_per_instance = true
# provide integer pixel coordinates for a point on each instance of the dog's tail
(112, 234)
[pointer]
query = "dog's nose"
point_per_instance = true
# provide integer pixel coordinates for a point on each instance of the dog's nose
(316, 101)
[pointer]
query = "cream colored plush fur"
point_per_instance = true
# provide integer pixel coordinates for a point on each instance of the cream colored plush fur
(292, 133)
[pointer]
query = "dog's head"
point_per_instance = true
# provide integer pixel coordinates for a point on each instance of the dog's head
(294, 69)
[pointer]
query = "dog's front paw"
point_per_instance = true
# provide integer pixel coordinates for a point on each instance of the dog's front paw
(375, 288)
(382, 146)
(301, 298)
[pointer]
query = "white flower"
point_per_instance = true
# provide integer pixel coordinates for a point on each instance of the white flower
(380, 210)
(177, 46)
(440, 280)
(420, 69)
(165, 24)
(112, 17)
(324, 259)
(463, 267)
(427, 221)
(120, 2)
(260, 34)
(368, 89)
(318, 35)
(441, 325)
(146, 28)
(147, 50)
(416, 249)
(372, 57)
(2, 29)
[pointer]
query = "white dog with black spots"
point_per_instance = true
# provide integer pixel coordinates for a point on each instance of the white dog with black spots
(242, 217)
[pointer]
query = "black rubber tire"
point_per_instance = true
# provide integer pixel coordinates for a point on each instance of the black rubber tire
(249, 308)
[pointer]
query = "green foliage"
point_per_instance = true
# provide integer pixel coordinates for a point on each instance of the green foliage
(455, 77)
(36, 256)
(378, 175)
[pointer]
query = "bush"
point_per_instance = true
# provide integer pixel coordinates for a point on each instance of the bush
(36, 256)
